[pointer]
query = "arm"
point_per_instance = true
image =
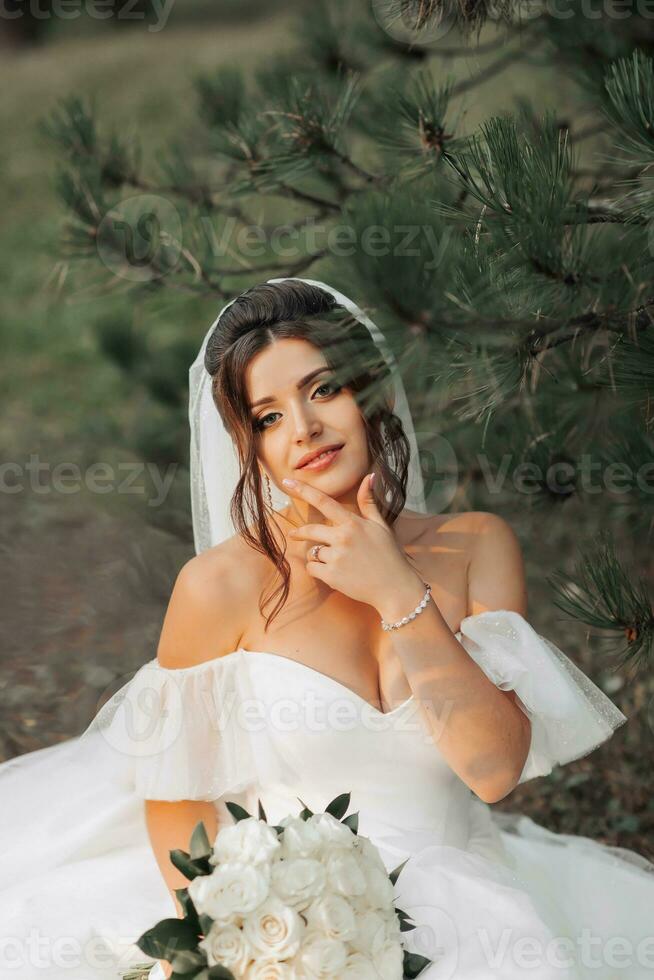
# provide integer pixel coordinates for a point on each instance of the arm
(198, 626)
(170, 825)
(480, 730)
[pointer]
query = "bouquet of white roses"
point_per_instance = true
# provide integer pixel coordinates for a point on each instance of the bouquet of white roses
(308, 899)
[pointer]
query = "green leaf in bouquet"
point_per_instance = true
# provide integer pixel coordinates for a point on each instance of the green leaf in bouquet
(238, 812)
(338, 805)
(306, 812)
(189, 961)
(215, 973)
(395, 873)
(402, 914)
(190, 868)
(206, 923)
(218, 973)
(192, 975)
(200, 844)
(262, 812)
(405, 924)
(189, 908)
(167, 938)
(414, 964)
(352, 821)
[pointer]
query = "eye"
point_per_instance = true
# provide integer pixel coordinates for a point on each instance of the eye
(260, 424)
(328, 384)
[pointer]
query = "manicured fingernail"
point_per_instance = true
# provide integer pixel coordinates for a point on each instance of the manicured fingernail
(288, 482)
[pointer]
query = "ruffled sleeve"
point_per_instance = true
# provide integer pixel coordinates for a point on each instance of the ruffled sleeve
(570, 716)
(180, 734)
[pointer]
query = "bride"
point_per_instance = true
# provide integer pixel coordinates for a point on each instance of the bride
(326, 638)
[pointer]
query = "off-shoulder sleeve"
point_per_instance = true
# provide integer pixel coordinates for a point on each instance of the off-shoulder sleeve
(570, 716)
(184, 734)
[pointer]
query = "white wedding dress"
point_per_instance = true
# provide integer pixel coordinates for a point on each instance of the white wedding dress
(493, 896)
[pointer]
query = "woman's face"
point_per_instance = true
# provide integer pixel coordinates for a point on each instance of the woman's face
(306, 411)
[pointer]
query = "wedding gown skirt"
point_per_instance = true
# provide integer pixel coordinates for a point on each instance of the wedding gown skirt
(493, 896)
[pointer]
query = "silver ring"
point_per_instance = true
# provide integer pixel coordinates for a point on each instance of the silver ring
(315, 550)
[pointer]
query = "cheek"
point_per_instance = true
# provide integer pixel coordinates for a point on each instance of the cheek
(352, 421)
(347, 413)
(272, 449)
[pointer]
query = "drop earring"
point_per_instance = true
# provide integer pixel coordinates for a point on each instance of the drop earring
(269, 492)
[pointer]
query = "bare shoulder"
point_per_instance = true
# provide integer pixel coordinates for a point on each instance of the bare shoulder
(422, 528)
(496, 576)
(207, 606)
(487, 527)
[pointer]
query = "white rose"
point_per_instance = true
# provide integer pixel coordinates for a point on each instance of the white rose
(371, 933)
(225, 945)
(250, 840)
(320, 957)
(331, 830)
(379, 890)
(389, 961)
(393, 930)
(358, 967)
(369, 851)
(300, 838)
(274, 929)
(232, 890)
(297, 881)
(270, 970)
(333, 916)
(344, 876)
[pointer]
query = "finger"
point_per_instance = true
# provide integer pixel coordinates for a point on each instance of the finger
(317, 569)
(313, 532)
(366, 501)
(321, 501)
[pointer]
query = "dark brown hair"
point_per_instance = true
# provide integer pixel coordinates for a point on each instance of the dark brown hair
(271, 311)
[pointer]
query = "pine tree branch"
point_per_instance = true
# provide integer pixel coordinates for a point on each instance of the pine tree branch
(494, 69)
(604, 212)
(283, 268)
(593, 130)
(286, 190)
(541, 339)
(358, 170)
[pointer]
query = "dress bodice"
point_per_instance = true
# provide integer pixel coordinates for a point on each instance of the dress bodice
(256, 725)
(323, 739)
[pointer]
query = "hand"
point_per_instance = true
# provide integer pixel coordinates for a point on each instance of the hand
(361, 557)
(166, 967)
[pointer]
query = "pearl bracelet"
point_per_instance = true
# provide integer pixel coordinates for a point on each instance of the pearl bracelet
(412, 615)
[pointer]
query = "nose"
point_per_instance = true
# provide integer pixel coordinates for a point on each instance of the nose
(305, 422)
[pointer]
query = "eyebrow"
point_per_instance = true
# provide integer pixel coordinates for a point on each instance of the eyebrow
(301, 383)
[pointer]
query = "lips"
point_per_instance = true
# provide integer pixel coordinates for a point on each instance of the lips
(323, 449)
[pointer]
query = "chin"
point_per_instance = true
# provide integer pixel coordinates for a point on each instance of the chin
(333, 484)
